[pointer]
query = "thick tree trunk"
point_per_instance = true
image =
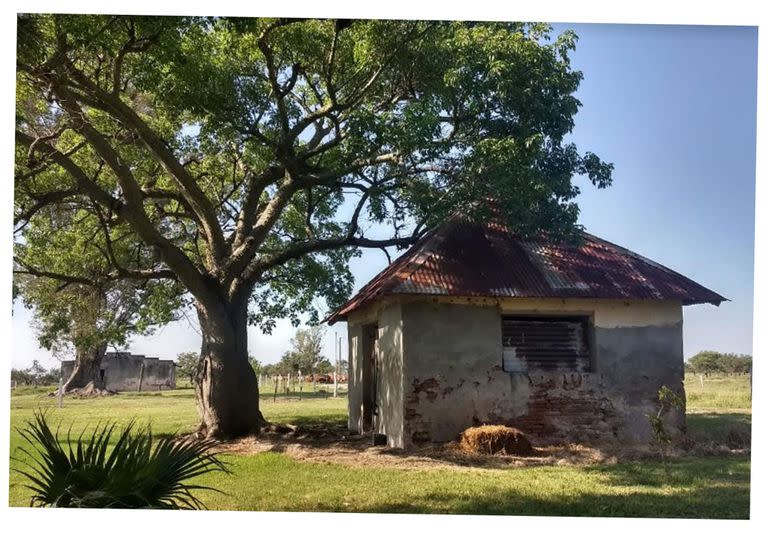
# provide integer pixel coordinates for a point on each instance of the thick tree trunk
(226, 387)
(87, 367)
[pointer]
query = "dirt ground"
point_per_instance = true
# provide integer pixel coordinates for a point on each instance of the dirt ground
(336, 445)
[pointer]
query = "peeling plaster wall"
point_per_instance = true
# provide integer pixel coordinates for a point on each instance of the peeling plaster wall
(453, 376)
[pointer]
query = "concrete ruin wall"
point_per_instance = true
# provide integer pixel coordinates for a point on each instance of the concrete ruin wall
(123, 372)
(447, 353)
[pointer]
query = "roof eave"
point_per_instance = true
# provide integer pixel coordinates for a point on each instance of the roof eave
(714, 301)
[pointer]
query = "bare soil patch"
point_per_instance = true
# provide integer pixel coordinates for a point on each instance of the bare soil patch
(334, 445)
(88, 391)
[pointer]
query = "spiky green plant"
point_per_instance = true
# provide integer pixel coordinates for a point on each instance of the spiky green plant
(139, 471)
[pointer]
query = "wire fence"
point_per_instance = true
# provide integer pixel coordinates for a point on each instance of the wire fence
(298, 387)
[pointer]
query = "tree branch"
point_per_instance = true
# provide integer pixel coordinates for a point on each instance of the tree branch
(265, 222)
(133, 208)
(82, 180)
(43, 200)
(113, 105)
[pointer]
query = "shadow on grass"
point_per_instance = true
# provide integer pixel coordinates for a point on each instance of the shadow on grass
(330, 422)
(704, 502)
(716, 426)
(685, 489)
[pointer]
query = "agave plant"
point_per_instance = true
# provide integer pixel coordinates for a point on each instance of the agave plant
(139, 471)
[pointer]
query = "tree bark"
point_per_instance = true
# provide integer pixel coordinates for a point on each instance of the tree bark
(87, 366)
(226, 387)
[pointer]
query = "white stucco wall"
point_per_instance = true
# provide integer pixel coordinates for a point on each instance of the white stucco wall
(388, 414)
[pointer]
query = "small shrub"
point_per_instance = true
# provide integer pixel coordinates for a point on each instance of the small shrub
(138, 472)
(668, 400)
(495, 440)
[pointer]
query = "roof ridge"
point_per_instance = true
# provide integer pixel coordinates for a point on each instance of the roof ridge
(629, 252)
(627, 256)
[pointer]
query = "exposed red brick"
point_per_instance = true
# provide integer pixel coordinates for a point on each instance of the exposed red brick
(428, 386)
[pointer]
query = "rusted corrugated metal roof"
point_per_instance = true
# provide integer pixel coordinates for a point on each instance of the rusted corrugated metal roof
(467, 259)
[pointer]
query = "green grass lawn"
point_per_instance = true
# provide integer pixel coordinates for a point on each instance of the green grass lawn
(718, 393)
(701, 487)
(722, 405)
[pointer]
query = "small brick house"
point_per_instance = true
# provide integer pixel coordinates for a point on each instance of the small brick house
(473, 325)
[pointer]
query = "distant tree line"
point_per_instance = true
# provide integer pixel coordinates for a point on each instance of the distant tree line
(711, 362)
(304, 356)
(36, 374)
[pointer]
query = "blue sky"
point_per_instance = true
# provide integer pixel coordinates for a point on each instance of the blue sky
(673, 107)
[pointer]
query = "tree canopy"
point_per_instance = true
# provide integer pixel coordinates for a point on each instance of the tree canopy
(712, 362)
(65, 275)
(305, 354)
(186, 364)
(250, 159)
(75, 317)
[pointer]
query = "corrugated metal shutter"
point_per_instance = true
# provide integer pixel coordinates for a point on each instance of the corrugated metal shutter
(548, 343)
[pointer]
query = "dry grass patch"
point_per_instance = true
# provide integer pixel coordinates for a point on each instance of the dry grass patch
(333, 446)
(357, 451)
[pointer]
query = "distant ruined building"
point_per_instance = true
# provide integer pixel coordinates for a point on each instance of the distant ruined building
(124, 371)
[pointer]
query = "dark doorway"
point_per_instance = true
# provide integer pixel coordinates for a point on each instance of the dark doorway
(370, 337)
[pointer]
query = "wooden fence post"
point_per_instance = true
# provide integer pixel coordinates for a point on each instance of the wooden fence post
(274, 399)
(60, 393)
(301, 384)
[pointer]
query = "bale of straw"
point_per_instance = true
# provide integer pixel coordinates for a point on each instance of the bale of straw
(495, 439)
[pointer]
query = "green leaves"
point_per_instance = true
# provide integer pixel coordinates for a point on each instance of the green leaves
(709, 361)
(304, 355)
(668, 400)
(251, 156)
(186, 364)
(136, 471)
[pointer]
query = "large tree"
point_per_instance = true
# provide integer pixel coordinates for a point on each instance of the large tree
(256, 156)
(80, 306)
(84, 319)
